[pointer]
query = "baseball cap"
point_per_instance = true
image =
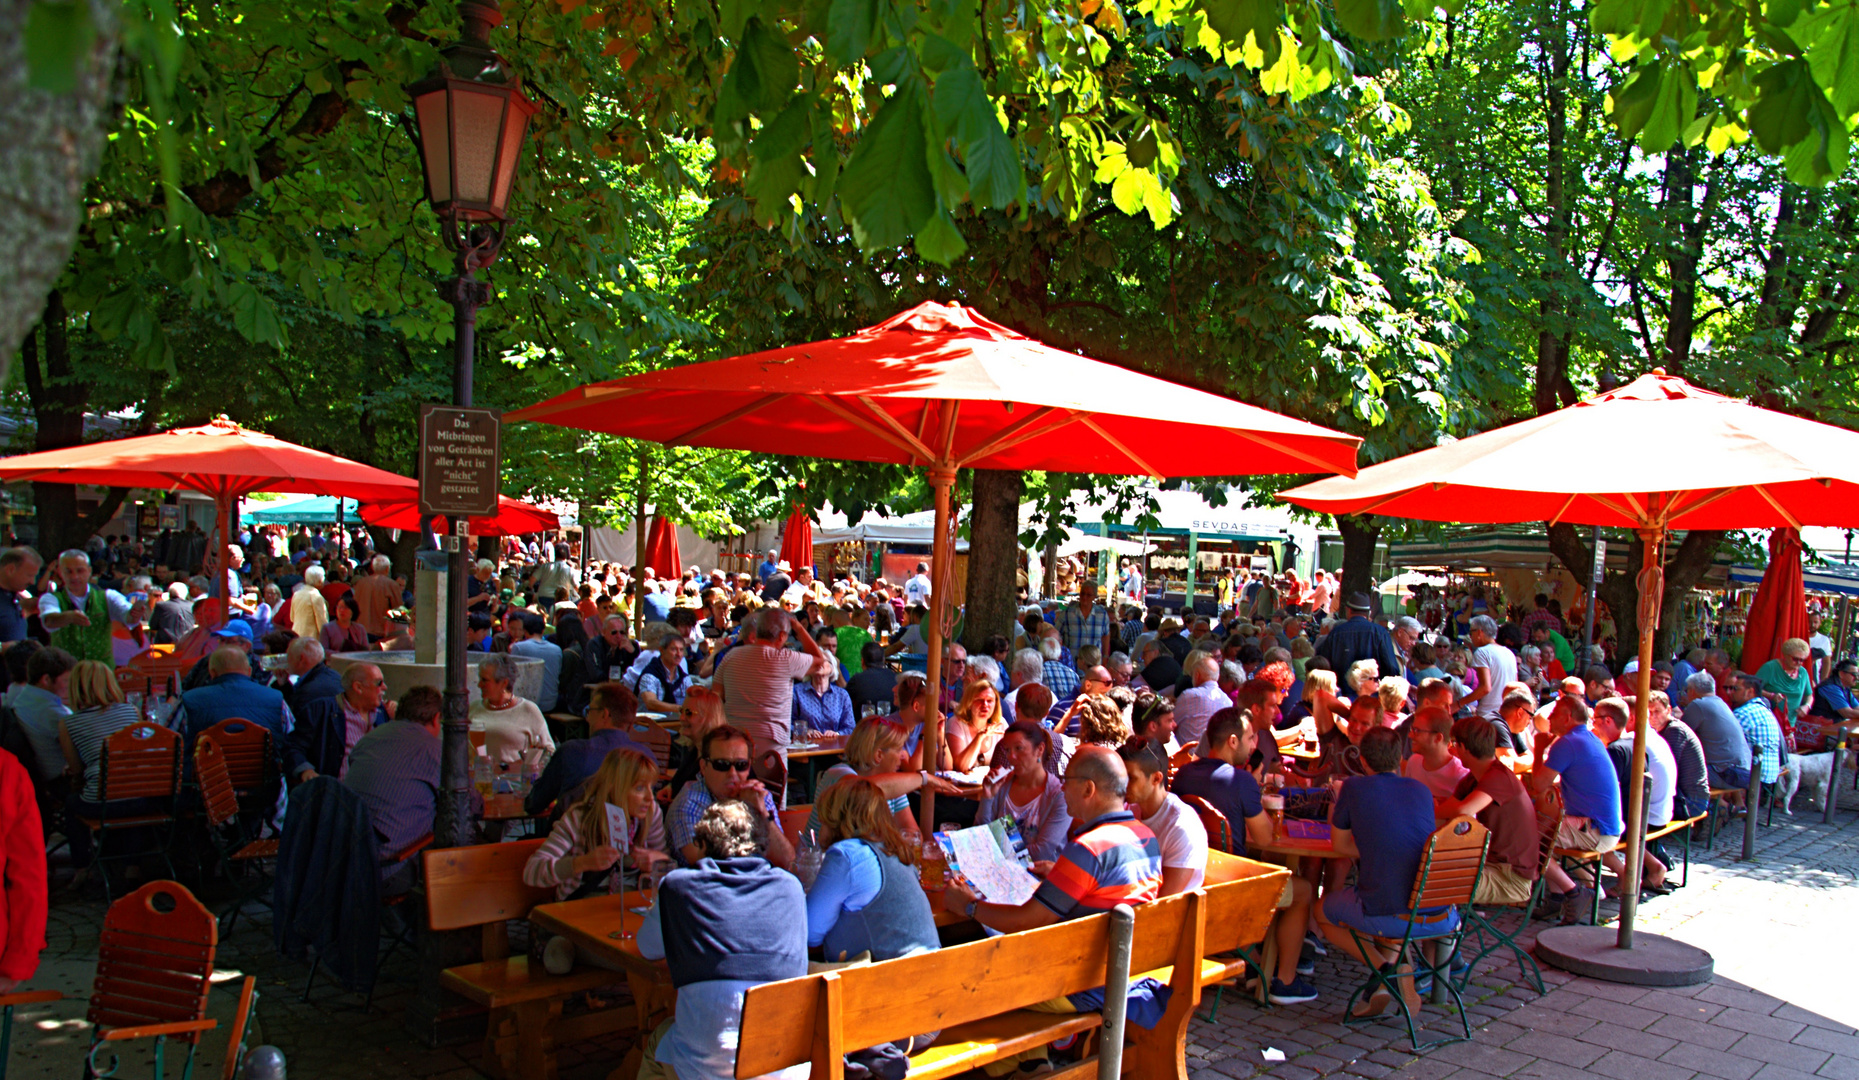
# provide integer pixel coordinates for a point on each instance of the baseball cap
(236, 628)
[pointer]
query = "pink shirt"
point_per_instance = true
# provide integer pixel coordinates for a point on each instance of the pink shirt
(1442, 783)
(758, 688)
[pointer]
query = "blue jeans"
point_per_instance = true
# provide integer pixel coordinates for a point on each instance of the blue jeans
(1731, 776)
(1344, 908)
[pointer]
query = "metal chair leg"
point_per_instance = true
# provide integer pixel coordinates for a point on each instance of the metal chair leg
(315, 962)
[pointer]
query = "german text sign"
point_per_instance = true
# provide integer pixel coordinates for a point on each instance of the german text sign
(460, 458)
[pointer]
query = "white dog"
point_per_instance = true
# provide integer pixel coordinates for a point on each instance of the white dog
(1811, 771)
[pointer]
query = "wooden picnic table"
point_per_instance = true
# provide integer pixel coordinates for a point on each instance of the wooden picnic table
(506, 807)
(605, 929)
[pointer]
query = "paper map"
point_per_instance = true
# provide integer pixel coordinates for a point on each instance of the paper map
(976, 854)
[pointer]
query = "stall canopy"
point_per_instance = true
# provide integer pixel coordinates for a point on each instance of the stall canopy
(1826, 580)
(315, 510)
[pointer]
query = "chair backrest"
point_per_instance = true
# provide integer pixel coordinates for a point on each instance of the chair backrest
(793, 820)
(1219, 829)
(162, 667)
(657, 740)
(247, 748)
(211, 772)
(936, 990)
(141, 761)
(1449, 869)
(155, 962)
(479, 884)
(1549, 814)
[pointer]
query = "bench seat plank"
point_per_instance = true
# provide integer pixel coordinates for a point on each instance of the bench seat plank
(512, 981)
(966, 1046)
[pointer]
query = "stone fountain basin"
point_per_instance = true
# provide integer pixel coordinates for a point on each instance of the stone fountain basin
(402, 672)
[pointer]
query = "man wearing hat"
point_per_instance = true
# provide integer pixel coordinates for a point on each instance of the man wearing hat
(1360, 638)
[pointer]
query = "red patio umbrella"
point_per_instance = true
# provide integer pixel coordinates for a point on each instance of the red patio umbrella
(797, 538)
(1667, 455)
(661, 548)
(513, 517)
(1779, 611)
(945, 388)
(220, 459)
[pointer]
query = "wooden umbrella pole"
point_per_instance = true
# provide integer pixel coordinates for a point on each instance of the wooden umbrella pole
(224, 500)
(1652, 592)
(942, 480)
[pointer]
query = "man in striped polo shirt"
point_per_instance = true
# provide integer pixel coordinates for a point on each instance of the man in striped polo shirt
(1115, 859)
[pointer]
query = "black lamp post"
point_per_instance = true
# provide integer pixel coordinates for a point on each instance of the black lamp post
(472, 116)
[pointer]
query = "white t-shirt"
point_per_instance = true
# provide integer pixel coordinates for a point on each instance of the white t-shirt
(1500, 665)
(1661, 779)
(516, 732)
(917, 589)
(1183, 838)
(758, 687)
(1442, 783)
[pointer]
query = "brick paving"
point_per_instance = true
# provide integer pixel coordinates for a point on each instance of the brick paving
(1779, 1008)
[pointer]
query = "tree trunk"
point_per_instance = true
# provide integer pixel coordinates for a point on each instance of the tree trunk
(1685, 566)
(993, 554)
(58, 400)
(53, 142)
(1553, 387)
(1360, 534)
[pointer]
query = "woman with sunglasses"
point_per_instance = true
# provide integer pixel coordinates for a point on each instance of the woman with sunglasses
(700, 713)
(579, 855)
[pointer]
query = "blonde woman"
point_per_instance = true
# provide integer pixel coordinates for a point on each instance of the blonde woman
(700, 712)
(579, 853)
(970, 733)
(97, 712)
(876, 752)
(1101, 721)
(867, 898)
(1392, 692)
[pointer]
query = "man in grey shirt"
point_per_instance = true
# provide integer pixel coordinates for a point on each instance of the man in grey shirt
(1726, 749)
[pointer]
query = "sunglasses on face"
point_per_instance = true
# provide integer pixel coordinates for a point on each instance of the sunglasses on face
(729, 764)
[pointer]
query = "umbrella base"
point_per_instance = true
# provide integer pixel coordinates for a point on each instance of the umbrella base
(1653, 961)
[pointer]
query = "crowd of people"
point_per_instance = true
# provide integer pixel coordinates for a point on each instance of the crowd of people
(1087, 727)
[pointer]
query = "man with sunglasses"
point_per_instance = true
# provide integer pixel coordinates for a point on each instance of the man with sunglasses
(324, 736)
(723, 769)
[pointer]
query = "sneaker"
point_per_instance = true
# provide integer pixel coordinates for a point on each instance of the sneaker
(1298, 991)
(1460, 964)
(1423, 984)
(1307, 961)
(1316, 944)
(1576, 905)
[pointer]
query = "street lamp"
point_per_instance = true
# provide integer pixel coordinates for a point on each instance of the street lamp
(472, 116)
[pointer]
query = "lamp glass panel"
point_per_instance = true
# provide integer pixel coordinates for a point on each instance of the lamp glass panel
(435, 144)
(477, 121)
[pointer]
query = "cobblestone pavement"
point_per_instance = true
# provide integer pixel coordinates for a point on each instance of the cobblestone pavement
(1779, 1008)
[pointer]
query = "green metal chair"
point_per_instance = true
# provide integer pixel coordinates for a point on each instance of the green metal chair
(1487, 936)
(1448, 879)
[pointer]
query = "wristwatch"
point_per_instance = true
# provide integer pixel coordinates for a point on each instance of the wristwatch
(924, 773)
(968, 910)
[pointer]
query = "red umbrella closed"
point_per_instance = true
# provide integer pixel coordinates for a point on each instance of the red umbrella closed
(513, 517)
(1780, 608)
(661, 548)
(797, 538)
(941, 386)
(1668, 456)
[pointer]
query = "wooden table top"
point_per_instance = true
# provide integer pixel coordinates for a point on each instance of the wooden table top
(1299, 847)
(604, 927)
(506, 808)
(835, 744)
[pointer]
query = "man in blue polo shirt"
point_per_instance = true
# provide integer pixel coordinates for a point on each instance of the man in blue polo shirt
(1590, 799)
(1383, 820)
(1835, 707)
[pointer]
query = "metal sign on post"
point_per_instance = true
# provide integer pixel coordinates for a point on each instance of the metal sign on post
(461, 458)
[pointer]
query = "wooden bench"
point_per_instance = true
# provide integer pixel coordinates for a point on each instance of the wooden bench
(483, 886)
(1570, 857)
(978, 994)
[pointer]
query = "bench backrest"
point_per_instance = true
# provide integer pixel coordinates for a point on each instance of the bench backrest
(481, 885)
(938, 990)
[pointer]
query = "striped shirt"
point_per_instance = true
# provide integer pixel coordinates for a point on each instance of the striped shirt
(552, 864)
(1115, 860)
(1078, 629)
(1761, 729)
(88, 729)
